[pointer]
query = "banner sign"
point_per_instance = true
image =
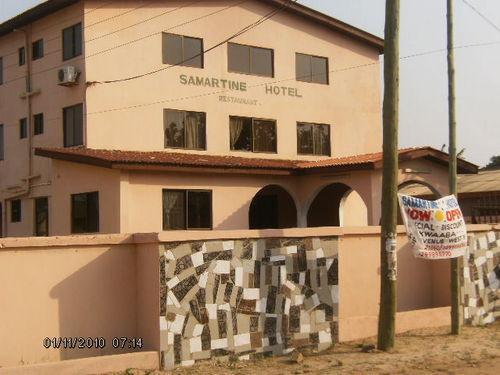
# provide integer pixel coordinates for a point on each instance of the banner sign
(436, 229)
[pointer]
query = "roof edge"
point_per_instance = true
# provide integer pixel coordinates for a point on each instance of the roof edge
(333, 23)
(33, 14)
(50, 6)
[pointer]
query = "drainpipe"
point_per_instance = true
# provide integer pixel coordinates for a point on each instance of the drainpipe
(29, 120)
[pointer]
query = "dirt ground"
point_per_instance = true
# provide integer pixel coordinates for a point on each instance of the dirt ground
(476, 351)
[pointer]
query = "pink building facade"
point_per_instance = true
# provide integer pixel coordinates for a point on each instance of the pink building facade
(134, 116)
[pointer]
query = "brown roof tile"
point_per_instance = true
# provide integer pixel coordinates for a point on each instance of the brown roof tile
(140, 159)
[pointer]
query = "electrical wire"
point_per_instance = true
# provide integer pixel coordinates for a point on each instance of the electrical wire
(486, 19)
(345, 69)
(238, 33)
(133, 41)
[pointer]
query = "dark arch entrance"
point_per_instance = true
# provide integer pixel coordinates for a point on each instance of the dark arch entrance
(272, 208)
(324, 211)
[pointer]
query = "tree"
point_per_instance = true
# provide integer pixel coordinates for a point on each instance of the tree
(494, 162)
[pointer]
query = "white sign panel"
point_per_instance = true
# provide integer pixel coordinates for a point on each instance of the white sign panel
(436, 229)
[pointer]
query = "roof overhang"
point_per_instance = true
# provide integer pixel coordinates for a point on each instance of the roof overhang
(51, 6)
(203, 163)
(33, 14)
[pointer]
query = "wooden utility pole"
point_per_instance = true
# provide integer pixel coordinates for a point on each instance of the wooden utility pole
(452, 174)
(388, 265)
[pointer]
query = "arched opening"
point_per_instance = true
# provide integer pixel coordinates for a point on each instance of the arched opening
(272, 208)
(337, 205)
(417, 189)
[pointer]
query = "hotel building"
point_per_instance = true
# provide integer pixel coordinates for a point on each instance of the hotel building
(141, 116)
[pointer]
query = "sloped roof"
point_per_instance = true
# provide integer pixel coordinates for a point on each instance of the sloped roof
(51, 6)
(120, 159)
(486, 181)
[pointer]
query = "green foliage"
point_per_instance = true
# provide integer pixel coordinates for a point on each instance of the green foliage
(494, 162)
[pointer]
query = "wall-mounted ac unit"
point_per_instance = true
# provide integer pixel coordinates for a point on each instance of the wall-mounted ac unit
(68, 76)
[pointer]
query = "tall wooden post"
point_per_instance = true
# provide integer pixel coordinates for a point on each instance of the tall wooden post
(452, 151)
(388, 265)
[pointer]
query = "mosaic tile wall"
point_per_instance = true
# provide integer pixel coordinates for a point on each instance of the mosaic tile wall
(245, 298)
(481, 279)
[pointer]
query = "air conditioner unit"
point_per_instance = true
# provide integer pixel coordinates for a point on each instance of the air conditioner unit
(68, 76)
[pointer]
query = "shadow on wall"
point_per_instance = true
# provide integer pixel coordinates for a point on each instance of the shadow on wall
(98, 300)
(422, 283)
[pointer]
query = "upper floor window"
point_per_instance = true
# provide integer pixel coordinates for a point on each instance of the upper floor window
(187, 209)
(2, 143)
(15, 211)
(85, 212)
(182, 50)
(1, 70)
(72, 41)
(310, 68)
(22, 56)
(23, 128)
(38, 124)
(37, 50)
(73, 125)
(184, 129)
(250, 60)
(251, 134)
(313, 139)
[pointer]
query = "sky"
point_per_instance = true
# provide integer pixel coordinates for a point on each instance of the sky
(423, 80)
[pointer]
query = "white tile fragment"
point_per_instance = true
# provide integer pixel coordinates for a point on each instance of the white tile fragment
(480, 261)
(222, 266)
(202, 281)
(251, 293)
(243, 339)
(238, 276)
(163, 323)
(198, 329)
(197, 259)
(195, 344)
(324, 337)
(177, 324)
(335, 293)
(218, 344)
(211, 310)
(172, 282)
(320, 253)
(291, 249)
(228, 245)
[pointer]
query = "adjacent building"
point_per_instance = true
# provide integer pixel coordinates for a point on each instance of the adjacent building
(141, 116)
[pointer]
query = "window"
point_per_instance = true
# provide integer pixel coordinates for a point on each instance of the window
(72, 41)
(42, 216)
(187, 209)
(250, 60)
(73, 125)
(37, 49)
(182, 50)
(184, 129)
(1, 70)
(22, 56)
(23, 128)
(311, 68)
(15, 211)
(313, 139)
(2, 143)
(38, 124)
(85, 212)
(250, 134)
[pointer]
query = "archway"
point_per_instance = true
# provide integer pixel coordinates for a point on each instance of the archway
(272, 208)
(337, 205)
(417, 189)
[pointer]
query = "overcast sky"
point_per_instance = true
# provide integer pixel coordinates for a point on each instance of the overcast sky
(423, 117)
